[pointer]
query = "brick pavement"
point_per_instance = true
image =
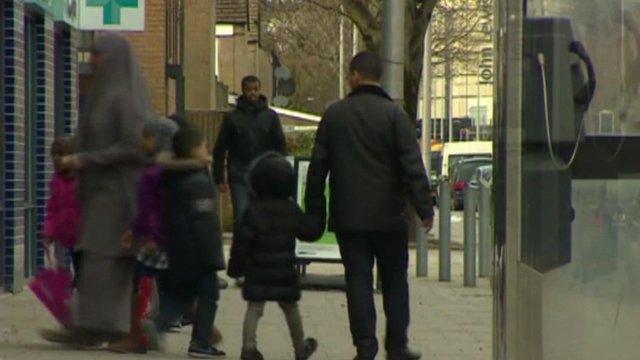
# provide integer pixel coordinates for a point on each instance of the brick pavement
(449, 322)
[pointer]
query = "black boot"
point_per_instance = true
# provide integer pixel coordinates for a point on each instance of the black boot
(404, 354)
(251, 355)
(310, 347)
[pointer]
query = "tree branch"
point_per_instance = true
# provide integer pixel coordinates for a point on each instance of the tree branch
(360, 15)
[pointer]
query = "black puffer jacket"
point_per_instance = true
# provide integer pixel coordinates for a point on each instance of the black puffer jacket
(264, 249)
(193, 229)
(249, 131)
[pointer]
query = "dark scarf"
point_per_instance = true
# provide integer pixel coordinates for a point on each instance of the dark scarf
(252, 107)
(370, 89)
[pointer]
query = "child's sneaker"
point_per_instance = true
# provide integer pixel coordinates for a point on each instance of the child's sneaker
(205, 352)
(222, 283)
(310, 347)
(251, 355)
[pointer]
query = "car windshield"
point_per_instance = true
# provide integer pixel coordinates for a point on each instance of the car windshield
(454, 159)
(465, 171)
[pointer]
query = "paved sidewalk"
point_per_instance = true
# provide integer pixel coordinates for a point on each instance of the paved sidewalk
(449, 322)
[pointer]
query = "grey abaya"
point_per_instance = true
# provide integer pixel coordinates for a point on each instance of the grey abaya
(108, 136)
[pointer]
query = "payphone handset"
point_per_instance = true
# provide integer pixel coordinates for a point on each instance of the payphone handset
(556, 93)
(565, 92)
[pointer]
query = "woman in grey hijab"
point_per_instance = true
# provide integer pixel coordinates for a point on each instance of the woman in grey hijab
(108, 162)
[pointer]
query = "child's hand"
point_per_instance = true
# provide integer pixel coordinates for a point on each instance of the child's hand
(70, 162)
(49, 253)
(127, 240)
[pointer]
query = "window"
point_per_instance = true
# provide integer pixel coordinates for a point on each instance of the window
(479, 114)
(31, 113)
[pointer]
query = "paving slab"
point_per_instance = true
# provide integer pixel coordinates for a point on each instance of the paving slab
(449, 322)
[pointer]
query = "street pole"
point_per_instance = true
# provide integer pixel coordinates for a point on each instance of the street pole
(393, 48)
(422, 241)
(341, 52)
(426, 101)
(393, 21)
(450, 100)
(478, 114)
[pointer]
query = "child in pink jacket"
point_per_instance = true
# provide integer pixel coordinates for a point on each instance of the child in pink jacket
(62, 223)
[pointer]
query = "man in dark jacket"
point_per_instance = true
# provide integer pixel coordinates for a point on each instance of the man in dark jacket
(250, 130)
(366, 145)
(194, 246)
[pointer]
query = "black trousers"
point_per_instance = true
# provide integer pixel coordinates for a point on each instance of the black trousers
(76, 259)
(177, 300)
(390, 251)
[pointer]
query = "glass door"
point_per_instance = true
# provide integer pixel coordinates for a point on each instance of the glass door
(568, 180)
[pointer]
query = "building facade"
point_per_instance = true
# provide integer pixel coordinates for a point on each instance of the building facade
(464, 89)
(176, 52)
(238, 50)
(38, 60)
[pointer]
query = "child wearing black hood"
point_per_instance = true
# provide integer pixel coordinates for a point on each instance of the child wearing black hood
(264, 252)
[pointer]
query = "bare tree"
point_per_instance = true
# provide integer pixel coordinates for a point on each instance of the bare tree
(304, 38)
(310, 27)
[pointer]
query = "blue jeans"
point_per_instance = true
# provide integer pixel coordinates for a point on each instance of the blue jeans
(207, 292)
(240, 199)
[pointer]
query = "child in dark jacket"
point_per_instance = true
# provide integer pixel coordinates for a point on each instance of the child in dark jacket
(264, 252)
(62, 223)
(147, 233)
(194, 246)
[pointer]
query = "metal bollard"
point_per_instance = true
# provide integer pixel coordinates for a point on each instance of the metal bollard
(444, 206)
(470, 205)
(484, 230)
(422, 251)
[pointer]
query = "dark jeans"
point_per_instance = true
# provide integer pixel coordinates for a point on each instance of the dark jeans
(76, 259)
(207, 292)
(239, 198)
(390, 251)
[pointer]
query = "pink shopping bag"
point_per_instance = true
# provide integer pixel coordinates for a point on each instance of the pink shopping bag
(53, 287)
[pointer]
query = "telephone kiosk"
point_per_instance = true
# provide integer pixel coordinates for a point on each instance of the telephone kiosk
(558, 84)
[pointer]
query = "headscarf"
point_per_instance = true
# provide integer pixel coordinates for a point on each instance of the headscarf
(119, 73)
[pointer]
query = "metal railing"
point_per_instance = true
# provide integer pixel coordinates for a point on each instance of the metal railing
(470, 206)
(477, 241)
(444, 203)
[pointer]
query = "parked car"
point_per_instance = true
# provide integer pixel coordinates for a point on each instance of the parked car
(483, 175)
(456, 151)
(462, 173)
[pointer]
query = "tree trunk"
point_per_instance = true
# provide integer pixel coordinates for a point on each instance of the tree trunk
(416, 22)
(413, 73)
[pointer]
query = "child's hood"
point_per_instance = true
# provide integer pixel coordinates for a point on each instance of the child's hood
(271, 175)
